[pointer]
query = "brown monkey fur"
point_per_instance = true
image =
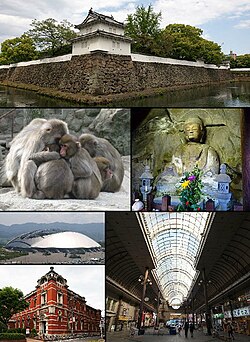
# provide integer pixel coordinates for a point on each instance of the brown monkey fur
(53, 178)
(33, 138)
(104, 168)
(100, 147)
(87, 178)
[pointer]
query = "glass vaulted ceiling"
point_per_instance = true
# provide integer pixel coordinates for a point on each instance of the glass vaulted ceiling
(175, 238)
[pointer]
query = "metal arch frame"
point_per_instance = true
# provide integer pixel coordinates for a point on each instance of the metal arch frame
(177, 270)
(180, 284)
(170, 224)
(185, 256)
(235, 250)
(237, 262)
(219, 270)
(162, 218)
(189, 232)
(123, 268)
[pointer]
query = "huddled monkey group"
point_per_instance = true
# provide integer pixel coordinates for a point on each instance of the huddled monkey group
(45, 161)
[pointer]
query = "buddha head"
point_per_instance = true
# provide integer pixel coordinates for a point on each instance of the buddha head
(194, 129)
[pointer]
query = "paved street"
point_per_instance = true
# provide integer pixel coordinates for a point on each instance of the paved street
(150, 337)
(86, 339)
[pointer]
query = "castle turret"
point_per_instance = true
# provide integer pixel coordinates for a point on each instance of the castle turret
(103, 33)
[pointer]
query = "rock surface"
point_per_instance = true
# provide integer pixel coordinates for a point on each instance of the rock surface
(159, 134)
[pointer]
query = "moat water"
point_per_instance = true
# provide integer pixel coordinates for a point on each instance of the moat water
(234, 94)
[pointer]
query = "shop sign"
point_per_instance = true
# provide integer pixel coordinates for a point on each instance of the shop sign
(242, 312)
(227, 314)
(125, 318)
(219, 315)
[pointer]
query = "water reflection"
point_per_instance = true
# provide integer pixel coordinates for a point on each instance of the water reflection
(235, 94)
(13, 97)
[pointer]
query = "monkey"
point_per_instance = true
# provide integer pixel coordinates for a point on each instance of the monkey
(53, 178)
(104, 168)
(13, 159)
(87, 178)
(100, 147)
(33, 138)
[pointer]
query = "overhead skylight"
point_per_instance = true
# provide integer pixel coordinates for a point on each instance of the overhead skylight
(175, 239)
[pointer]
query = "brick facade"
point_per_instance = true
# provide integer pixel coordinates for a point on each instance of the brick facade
(56, 310)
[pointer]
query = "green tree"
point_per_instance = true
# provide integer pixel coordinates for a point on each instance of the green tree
(11, 302)
(242, 61)
(52, 38)
(144, 28)
(188, 44)
(19, 49)
(210, 52)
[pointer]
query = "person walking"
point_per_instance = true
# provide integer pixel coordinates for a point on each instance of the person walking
(179, 329)
(191, 327)
(186, 327)
(230, 331)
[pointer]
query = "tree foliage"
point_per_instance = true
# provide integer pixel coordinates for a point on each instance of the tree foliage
(11, 302)
(50, 36)
(19, 49)
(188, 44)
(242, 61)
(144, 28)
(177, 41)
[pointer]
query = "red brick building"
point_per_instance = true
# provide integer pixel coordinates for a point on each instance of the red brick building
(54, 309)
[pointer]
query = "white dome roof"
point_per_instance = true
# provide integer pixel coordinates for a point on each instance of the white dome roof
(65, 240)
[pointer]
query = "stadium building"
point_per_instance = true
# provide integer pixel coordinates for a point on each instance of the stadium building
(56, 310)
(53, 239)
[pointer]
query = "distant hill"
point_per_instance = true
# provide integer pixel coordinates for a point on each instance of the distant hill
(92, 230)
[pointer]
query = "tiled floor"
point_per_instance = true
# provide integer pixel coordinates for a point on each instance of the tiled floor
(123, 336)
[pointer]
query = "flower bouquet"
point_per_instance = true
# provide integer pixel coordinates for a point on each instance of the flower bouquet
(191, 191)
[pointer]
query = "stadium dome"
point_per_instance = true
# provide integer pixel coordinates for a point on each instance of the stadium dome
(52, 239)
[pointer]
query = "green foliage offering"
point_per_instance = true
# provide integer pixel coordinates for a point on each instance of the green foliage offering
(12, 336)
(11, 302)
(50, 36)
(19, 49)
(191, 191)
(242, 61)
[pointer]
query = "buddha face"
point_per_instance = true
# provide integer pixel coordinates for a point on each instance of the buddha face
(193, 132)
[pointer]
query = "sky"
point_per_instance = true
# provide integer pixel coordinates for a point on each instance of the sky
(224, 22)
(87, 280)
(48, 217)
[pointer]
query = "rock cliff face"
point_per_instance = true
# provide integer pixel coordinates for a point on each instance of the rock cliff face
(111, 124)
(160, 132)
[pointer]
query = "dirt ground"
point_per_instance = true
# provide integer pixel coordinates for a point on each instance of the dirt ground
(10, 200)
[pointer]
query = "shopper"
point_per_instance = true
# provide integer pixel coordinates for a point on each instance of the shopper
(191, 327)
(186, 327)
(230, 331)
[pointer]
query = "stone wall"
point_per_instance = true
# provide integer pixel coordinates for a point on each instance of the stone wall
(161, 131)
(102, 74)
(241, 74)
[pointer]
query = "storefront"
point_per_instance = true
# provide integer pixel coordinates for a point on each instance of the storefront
(241, 320)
